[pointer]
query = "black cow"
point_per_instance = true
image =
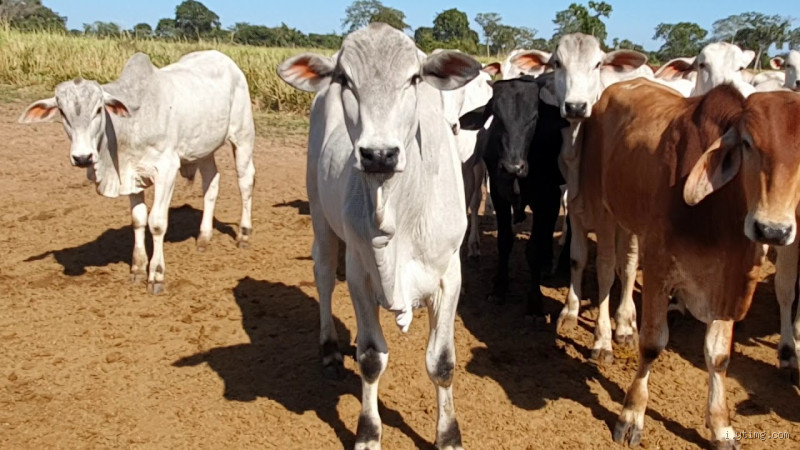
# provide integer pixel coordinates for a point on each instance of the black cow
(521, 155)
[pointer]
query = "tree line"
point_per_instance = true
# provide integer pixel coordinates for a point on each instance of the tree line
(449, 29)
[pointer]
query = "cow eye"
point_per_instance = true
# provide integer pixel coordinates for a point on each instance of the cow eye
(746, 145)
(415, 79)
(556, 64)
(789, 66)
(741, 68)
(342, 79)
(702, 65)
(598, 65)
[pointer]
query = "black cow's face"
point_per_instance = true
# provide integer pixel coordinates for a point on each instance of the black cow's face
(515, 106)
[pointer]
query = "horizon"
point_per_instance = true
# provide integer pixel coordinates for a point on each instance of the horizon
(626, 20)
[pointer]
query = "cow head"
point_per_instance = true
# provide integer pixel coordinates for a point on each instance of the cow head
(789, 65)
(82, 106)
(377, 74)
(721, 63)
(515, 110)
(765, 146)
(582, 70)
(470, 96)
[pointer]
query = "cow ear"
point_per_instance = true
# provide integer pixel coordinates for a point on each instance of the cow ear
(476, 119)
(718, 165)
(624, 60)
(747, 57)
(448, 70)
(676, 69)
(531, 62)
(42, 111)
(776, 63)
(492, 69)
(115, 105)
(308, 72)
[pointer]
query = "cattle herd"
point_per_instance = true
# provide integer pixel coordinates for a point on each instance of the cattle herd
(688, 172)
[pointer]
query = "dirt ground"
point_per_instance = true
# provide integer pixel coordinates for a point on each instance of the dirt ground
(228, 357)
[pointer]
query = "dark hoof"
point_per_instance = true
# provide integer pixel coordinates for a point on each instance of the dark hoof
(450, 439)
(368, 434)
(334, 371)
(139, 277)
(727, 444)
(602, 356)
(155, 287)
(537, 321)
(792, 374)
(627, 433)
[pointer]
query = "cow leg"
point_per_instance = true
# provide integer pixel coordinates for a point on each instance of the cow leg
(719, 337)
(245, 170)
(652, 341)
(164, 185)
(440, 357)
(325, 252)
(488, 208)
(139, 222)
(563, 238)
(606, 263)
(474, 196)
(505, 241)
(208, 170)
(371, 352)
(539, 250)
(628, 263)
(785, 279)
(579, 253)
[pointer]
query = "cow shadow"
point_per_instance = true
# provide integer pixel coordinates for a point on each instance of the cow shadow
(281, 362)
(116, 245)
(301, 206)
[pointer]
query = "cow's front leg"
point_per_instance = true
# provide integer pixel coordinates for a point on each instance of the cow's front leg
(785, 278)
(719, 337)
(602, 351)
(579, 253)
(371, 352)
(164, 184)
(440, 357)
(505, 241)
(652, 341)
(139, 222)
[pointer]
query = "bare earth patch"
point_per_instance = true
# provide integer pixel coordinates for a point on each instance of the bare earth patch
(227, 358)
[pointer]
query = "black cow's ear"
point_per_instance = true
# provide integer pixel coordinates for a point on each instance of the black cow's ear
(476, 119)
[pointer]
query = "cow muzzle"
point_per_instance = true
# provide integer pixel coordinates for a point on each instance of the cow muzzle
(379, 160)
(773, 233)
(518, 168)
(576, 110)
(82, 160)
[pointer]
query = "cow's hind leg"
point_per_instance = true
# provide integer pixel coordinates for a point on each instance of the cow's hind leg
(579, 253)
(164, 185)
(139, 222)
(208, 170)
(440, 357)
(785, 280)
(242, 139)
(474, 195)
(627, 264)
(652, 341)
(719, 337)
(372, 354)
(606, 263)
(325, 251)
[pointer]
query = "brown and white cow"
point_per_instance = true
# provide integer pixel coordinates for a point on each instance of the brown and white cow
(703, 182)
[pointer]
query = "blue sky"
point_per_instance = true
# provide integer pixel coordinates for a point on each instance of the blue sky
(632, 19)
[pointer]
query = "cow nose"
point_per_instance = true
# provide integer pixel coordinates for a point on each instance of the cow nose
(379, 160)
(519, 169)
(772, 234)
(575, 109)
(82, 160)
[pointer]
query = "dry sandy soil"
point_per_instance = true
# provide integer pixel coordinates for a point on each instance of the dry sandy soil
(227, 358)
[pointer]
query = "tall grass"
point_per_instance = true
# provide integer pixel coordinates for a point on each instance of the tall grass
(42, 60)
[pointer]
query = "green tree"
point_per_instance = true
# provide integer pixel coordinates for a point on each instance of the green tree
(102, 29)
(166, 29)
(680, 39)
(423, 36)
(577, 19)
(31, 15)
(193, 20)
(451, 28)
(142, 30)
(755, 31)
(490, 23)
(361, 13)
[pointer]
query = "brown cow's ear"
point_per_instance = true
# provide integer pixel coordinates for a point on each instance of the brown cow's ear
(718, 165)
(492, 69)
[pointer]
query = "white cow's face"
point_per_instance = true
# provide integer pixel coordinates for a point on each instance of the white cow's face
(720, 63)
(791, 65)
(583, 70)
(82, 107)
(378, 73)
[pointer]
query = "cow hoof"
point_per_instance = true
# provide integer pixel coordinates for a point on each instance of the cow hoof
(537, 321)
(334, 371)
(726, 444)
(602, 356)
(155, 287)
(138, 277)
(627, 433)
(566, 321)
(627, 340)
(368, 434)
(368, 445)
(242, 244)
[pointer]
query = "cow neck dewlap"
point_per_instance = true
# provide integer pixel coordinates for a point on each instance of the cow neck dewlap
(384, 217)
(105, 171)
